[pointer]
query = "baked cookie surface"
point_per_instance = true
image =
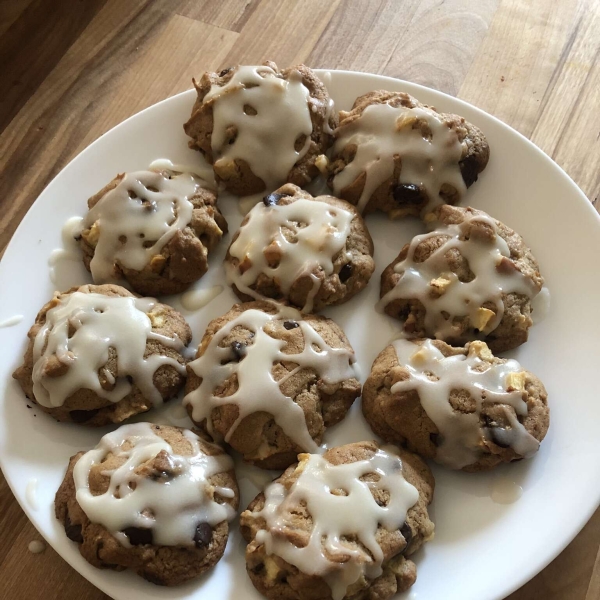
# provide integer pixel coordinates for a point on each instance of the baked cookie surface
(312, 252)
(462, 407)
(153, 229)
(97, 354)
(150, 498)
(268, 381)
(261, 127)
(340, 525)
(471, 277)
(394, 154)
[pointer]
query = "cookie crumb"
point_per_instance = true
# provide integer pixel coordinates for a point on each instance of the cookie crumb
(36, 547)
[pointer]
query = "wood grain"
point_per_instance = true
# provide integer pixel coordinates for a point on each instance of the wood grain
(72, 69)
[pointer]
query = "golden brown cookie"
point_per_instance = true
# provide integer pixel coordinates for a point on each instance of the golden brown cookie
(462, 407)
(340, 525)
(152, 229)
(393, 153)
(261, 127)
(180, 496)
(268, 381)
(472, 277)
(97, 354)
(311, 252)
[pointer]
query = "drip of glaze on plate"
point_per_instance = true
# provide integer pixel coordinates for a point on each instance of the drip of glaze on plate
(271, 120)
(341, 505)
(132, 222)
(252, 365)
(442, 293)
(79, 332)
(286, 242)
(70, 251)
(383, 132)
(434, 376)
(504, 490)
(11, 321)
(31, 493)
(171, 507)
(540, 306)
(196, 299)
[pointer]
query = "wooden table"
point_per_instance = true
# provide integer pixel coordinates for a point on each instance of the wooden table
(72, 69)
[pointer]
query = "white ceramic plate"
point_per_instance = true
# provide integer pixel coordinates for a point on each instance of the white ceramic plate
(482, 550)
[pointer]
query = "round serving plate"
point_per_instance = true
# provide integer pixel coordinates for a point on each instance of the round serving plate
(482, 550)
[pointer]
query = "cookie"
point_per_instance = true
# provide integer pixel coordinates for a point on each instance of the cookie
(462, 407)
(150, 498)
(311, 252)
(471, 278)
(269, 380)
(97, 354)
(261, 127)
(151, 229)
(394, 154)
(340, 525)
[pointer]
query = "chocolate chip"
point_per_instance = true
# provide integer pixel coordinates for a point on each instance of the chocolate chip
(345, 272)
(73, 531)
(225, 71)
(129, 378)
(469, 170)
(406, 532)
(203, 535)
(434, 438)
(408, 193)
(81, 416)
(239, 350)
(153, 578)
(272, 199)
(290, 325)
(138, 536)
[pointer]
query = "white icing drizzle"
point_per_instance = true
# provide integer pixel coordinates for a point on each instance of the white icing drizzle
(133, 222)
(440, 290)
(70, 251)
(80, 330)
(540, 307)
(36, 547)
(203, 172)
(383, 132)
(257, 388)
(434, 376)
(265, 140)
(505, 490)
(172, 509)
(334, 516)
(197, 299)
(286, 242)
(31, 493)
(11, 321)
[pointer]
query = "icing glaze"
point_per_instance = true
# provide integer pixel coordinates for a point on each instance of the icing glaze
(79, 332)
(132, 222)
(269, 114)
(441, 292)
(204, 172)
(286, 242)
(31, 493)
(383, 132)
(257, 388)
(341, 506)
(435, 376)
(505, 490)
(171, 508)
(11, 321)
(197, 299)
(61, 257)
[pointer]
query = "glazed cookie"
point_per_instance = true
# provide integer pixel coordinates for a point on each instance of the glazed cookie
(268, 381)
(340, 525)
(151, 229)
(471, 277)
(97, 354)
(312, 252)
(394, 154)
(261, 127)
(150, 498)
(462, 407)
